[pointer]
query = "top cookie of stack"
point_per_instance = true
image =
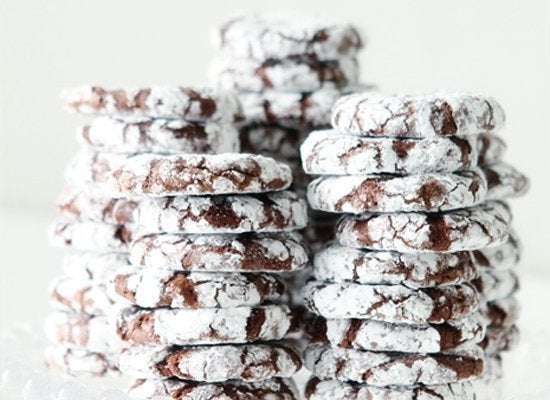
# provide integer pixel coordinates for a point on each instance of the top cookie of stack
(422, 182)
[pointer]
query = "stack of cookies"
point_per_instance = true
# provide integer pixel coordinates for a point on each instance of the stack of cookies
(288, 73)
(98, 227)
(422, 259)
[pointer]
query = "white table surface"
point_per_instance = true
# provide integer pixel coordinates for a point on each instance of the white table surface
(27, 263)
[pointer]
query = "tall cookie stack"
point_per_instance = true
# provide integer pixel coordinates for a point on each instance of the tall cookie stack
(421, 182)
(288, 73)
(98, 227)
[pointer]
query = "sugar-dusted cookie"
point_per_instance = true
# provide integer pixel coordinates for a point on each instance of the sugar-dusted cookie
(398, 369)
(81, 331)
(90, 235)
(502, 312)
(89, 169)
(270, 389)
(335, 263)
(501, 257)
(371, 114)
(191, 104)
(153, 135)
(86, 296)
(304, 74)
(150, 288)
(429, 192)
(95, 205)
(262, 38)
(365, 334)
(92, 266)
(196, 174)
(330, 389)
(78, 362)
(275, 252)
(500, 339)
(504, 181)
(268, 212)
(391, 303)
(164, 326)
(465, 229)
(248, 362)
(491, 149)
(272, 140)
(496, 284)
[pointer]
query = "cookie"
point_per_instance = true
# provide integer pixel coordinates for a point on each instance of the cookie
(320, 229)
(249, 362)
(398, 369)
(502, 312)
(230, 253)
(191, 104)
(150, 288)
(305, 74)
(89, 169)
(327, 152)
(490, 148)
(90, 236)
(489, 384)
(370, 114)
(210, 325)
(149, 135)
(271, 389)
(335, 263)
(501, 257)
(493, 284)
(365, 334)
(80, 331)
(272, 140)
(430, 192)
(500, 339)
(85, 296)
(196, 174)
(268, 212)
(317, 389)
(291, 110)
(94, 205)
(504, 181)
(263, 38)
(77, 362)
(91, 266)
(391, 303)
(466, 229)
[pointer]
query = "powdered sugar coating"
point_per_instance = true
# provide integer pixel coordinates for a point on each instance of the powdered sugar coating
(249, 252)
(496, 284)
(443, 114)
(365, 334)
(327, 152)
(489, 384)
(305, 74)
(466, 229)
(158, 136)
(191, 104)
(84, 296)
(391, 303)
(80, 331)
(96, 267)
(500, 339)
(90, 236)
(195, 174)
(151, 288)
(501, 257)
(272, 140)
(317, 389)
(336, 263)
(291, 110)
(269, 212)
(210, 325)
(399, 369)
(95, 205)
(501, 313)
(262, 38)
(504, 181)
(491, 149)
(89, 169)
(249, 362)
(428, 192)
(79, 362)
(270, 389)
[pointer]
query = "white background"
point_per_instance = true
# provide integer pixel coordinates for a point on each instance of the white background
(498, 47)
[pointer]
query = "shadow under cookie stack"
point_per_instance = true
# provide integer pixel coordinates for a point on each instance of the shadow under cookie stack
(423, 257)
(200, 311)
(287, 73)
